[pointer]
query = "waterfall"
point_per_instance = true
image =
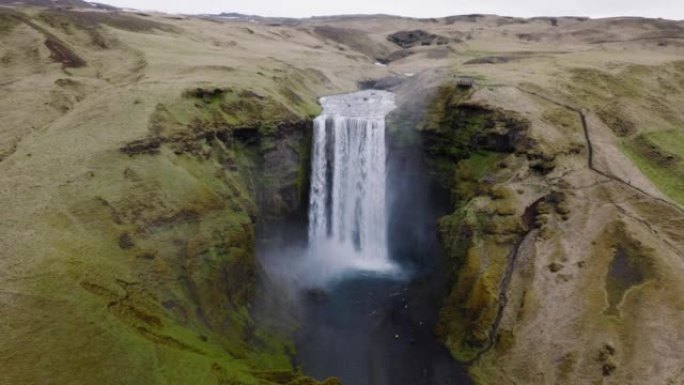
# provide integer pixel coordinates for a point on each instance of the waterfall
(347, 212)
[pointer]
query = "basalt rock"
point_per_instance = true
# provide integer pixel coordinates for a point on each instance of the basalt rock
(408, 39)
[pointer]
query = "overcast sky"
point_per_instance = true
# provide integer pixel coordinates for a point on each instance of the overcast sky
(670, 9)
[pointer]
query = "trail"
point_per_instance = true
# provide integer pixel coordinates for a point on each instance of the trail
(590, 151)
(514, 254)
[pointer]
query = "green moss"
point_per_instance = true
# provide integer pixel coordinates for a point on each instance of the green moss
(505, 340)
(216, 108)
(482, 163)
(467, 177)
(266, 141)
(591, 85)
(466, 144)
(479, 261)
(454, 130)
(438, 115)
(296, 90)
(470, 310)
(194, 219)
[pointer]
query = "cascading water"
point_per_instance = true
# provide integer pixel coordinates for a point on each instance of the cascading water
(348, 213)
(364, 318)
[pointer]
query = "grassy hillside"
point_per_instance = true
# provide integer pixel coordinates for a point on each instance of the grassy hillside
(135, 260)
(140, 152)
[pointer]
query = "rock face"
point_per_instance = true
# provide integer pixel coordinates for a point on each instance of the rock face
(263, 170)
(284, 171)
(528, 279)
(483, 235)
(408, 39)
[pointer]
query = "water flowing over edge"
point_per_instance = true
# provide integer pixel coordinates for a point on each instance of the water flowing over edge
(348, 210)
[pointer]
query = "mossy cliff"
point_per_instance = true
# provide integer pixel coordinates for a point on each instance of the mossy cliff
(559, 258)
(152, 269)
(251, 154)
(271, 141)
(472, 148)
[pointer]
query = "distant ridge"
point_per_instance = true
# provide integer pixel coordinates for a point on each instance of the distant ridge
(59, 3)
(49, 3)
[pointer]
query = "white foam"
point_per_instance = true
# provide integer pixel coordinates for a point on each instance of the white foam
(348, 213)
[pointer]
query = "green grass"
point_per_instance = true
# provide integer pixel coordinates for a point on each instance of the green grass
(481, 163)
(591, 85)
(207, 109)
(173, 306)
(67, 20)
(649, 94)
(670, 140)
(660, 156)
(562, 118)
(467, 177)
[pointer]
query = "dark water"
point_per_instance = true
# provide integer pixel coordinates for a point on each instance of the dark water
(372, 330)
(369, 331)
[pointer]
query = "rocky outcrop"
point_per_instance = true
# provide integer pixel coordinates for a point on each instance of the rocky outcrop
(273, 144)
(468, 145)
(418, 37)
(555, 258)
(283, 170)
(454, 129)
